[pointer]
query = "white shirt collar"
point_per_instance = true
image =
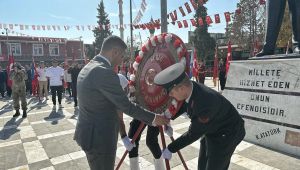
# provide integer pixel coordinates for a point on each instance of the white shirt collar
(188, 99)
(104, 58)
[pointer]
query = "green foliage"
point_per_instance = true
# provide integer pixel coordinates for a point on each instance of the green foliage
(99, 33)
(204, 44)
(248, 26)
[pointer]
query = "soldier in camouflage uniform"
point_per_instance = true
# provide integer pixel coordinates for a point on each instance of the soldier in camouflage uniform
(18, 77)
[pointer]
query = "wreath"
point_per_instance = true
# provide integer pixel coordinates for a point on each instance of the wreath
(182, 55)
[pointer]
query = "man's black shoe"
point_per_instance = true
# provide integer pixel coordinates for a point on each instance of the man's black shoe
(262, 53)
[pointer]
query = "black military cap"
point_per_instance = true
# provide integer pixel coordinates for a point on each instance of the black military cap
(171, 76)
(54, 60)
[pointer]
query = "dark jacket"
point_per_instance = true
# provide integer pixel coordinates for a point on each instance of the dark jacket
(74, 71)
(100, 95)
(212, 116)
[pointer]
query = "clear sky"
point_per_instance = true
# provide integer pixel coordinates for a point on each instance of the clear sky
(83, 12)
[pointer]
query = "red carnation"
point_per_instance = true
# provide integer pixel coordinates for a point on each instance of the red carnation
(138, 59)
(144, 49)
(131, 83)
(150, 44)
(172, 109)
(177, 43)
(156, 40)
(182, 53)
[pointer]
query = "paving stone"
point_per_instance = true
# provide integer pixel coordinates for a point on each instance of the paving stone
(71, 165)
(62, 152)
(29, 139)
(52, 147)
(271, 158)
(39, 165)
(82, 163)
(14, 156)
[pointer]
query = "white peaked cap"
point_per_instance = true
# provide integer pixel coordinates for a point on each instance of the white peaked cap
(123, 80)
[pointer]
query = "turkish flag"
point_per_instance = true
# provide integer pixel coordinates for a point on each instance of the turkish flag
(182, 11)
(217, 18)
(188, 8)
(179, 24)
(208, 20)
(200, 21)
(262, 2)
(173, 15)
(193, 22)
(238, 11)
(216, 65)
(194, 4)
(9, 68)
(227, 16)
(195, 65)
(229, 57)
(185, 24)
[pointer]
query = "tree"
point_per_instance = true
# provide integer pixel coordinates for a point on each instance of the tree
(204, 44)
(103, 29)
(248, 25)
(285, 33)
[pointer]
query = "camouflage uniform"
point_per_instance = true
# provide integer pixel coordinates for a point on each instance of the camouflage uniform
(19, 89)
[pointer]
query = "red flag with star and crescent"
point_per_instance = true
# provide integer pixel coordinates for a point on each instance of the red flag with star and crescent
(9, 68)
(229, 57)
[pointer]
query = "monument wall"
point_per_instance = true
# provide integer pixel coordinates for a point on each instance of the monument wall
(267, 95)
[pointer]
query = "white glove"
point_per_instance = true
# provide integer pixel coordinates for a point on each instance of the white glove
(169, 130)
(128, 145)
(167, 154)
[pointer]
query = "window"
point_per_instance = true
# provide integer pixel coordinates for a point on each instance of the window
(14, 48)
(54, 49)
(37, 50)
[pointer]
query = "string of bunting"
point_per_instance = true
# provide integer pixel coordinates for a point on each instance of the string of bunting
(141, 12)
(172, 16)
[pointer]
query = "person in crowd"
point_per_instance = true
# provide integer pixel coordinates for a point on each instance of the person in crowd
(213, 119)
(28, 80)
(2, 82)
(74, 71)
(100, 96)
(201, 72)
(8, 83)
(55, 74)
(222, 74)
(43, 82)
(18, 77)
(68, 80)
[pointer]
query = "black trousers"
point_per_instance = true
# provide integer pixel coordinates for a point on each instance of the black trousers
(56, 90)
(2, 87)
(214, 161)
(222, 80)
(74, 92)
(9, 91)
(151, 139)
(29, 86)
(275, 13)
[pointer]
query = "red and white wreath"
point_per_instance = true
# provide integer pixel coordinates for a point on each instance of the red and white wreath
(182, 55)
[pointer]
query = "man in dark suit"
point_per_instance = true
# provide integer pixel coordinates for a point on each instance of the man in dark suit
(100, 95)
(213, 119)
(275, 13)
